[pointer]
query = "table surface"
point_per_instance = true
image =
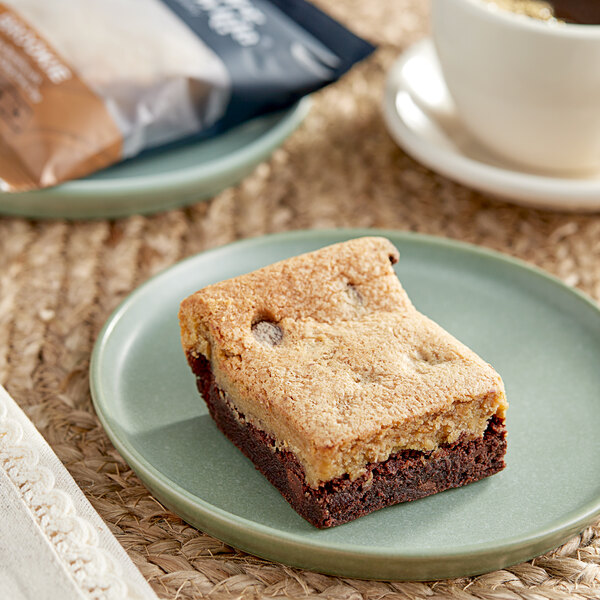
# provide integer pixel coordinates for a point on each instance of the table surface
(59, 281)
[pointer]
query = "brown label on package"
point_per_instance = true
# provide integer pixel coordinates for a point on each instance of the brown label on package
(53, 127)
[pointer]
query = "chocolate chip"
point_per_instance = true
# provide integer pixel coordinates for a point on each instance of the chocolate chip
(354, 295)
(267, 332)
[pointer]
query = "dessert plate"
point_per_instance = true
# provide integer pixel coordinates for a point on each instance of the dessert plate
(542, 337)
(165, 178)
(422, 118)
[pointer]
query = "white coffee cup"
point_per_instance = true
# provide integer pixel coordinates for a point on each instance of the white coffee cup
(529, 90)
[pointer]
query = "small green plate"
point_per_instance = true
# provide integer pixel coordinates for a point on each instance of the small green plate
(542, 336)
(162, 179)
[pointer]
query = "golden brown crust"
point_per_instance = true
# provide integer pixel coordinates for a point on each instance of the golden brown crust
(326, 353)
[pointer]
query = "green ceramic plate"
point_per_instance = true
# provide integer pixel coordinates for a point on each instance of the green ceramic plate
(162, 179)
(543, 338)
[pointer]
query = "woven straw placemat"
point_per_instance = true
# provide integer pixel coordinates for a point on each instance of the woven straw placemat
(59, 282)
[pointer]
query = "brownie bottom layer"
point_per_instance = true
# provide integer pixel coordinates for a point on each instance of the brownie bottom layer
(404, 476)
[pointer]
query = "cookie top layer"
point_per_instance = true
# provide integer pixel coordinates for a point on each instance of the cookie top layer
(326, 353)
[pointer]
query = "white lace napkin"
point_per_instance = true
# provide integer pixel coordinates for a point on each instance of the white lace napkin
(53, 544)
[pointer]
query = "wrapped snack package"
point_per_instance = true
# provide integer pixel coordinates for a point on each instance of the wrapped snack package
(87, 83)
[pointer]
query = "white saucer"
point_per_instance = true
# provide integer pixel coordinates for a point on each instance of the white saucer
(422, 118)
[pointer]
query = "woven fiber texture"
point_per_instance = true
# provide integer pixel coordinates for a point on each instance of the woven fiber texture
(59, 281)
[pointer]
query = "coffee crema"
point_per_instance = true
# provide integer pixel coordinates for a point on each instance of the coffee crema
(582, 12)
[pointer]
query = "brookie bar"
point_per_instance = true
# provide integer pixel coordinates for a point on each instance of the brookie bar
(342, 394)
